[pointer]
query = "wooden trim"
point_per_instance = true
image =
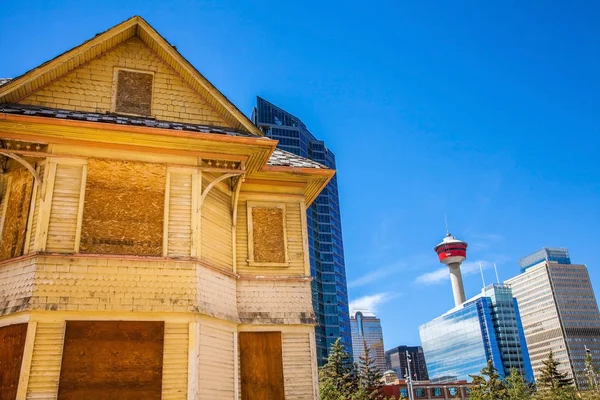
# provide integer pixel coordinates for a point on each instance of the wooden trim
(234, 208)
(27, 357)
(267, 278)
(250, 205)
(80, 207)
(21, 161)
(305, 247)
(6, 197)
(215, 182)
(193, 358)
(260, 141)
(196, 248)
(236, 366)
(45, 207)
(165, 249)
(29, 216)
(313, 363)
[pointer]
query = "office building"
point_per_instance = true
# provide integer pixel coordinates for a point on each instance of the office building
(559, 311)
(329, 290)
(396, 360)
(485, 327)
(366, 329)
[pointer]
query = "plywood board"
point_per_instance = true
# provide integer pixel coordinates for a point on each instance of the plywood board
(134, 92)
(105, 360)
(261, 363)
(17, 210)
(12, 343)
(268, 236)
(123, 210)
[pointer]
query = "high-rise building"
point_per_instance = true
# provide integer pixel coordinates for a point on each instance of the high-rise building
(485, 327)
(559, 311)
(366, 329)
(329, 290)
(396, 360)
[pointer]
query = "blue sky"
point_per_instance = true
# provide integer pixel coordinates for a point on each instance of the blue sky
(484, 111)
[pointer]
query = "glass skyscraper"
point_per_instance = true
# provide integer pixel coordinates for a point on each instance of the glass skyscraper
(329, 290)
(486, 327)
(366, 329)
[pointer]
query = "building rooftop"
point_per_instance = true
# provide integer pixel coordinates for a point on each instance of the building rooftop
(279, 157)
(555, 254)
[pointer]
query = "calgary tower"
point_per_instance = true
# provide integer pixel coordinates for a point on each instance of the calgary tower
(452, 252)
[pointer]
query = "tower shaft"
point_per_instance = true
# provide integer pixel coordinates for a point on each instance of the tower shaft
(458, 290)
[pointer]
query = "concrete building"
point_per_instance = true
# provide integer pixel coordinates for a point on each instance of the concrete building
(485, 327)
(327, 267)
(423, 390)
(153, 242)
(559, 311)
(396, 360)
(366, 328)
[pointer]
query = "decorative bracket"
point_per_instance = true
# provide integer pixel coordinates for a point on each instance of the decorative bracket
(21, 161)
(217, 180)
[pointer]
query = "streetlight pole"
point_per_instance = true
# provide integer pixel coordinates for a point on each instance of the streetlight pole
(409, 378)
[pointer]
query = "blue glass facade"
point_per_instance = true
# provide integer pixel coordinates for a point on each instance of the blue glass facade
(487, 327)
(558, 255)
(329, 290)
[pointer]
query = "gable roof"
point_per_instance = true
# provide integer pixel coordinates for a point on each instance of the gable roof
(24, 85)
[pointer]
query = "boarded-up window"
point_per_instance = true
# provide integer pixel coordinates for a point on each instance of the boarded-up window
(12, 344)
(123, 210)
(261, 365)
(112, 360)
(15, 213)
(133, 93)
(267, 234)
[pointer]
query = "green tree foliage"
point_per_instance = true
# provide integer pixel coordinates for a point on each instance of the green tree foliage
(338, 377)
(369, 377)
(341, 379)
(516, 386)
(488, 385)
(554, 385)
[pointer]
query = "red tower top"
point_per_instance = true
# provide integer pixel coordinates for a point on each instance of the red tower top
(451, 250)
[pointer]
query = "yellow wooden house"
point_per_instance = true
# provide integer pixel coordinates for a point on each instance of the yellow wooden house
(153, 242)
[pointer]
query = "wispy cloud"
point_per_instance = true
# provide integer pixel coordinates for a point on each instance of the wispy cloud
(372, 302)
(485, 241)
(442, 275)
(373, 276)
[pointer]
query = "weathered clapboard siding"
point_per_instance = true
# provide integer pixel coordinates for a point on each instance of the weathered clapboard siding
(294, 233)
(46, 361)
(175, 361)
(179, 234)
(34, 212)
(4, 185)
(216, 225)
(62, 225)
(216, 363)
(297, 366)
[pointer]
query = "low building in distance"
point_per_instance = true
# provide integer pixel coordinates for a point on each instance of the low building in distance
(366, 329)
(396, 360)
(559, 311)
(426, 390)
(486, 327)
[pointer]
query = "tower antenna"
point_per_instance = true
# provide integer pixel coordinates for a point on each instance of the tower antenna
(496, 269)
(481, 269)
(446, 221)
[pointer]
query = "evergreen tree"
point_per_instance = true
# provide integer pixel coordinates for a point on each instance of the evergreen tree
(490, 388)
(551, 378)
(590, 370)
(516, 386)
(370, 383)
(554, 385)
(338, 377)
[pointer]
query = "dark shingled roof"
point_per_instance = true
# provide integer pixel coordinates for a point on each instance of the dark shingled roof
(279, 157)
(115, 119)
